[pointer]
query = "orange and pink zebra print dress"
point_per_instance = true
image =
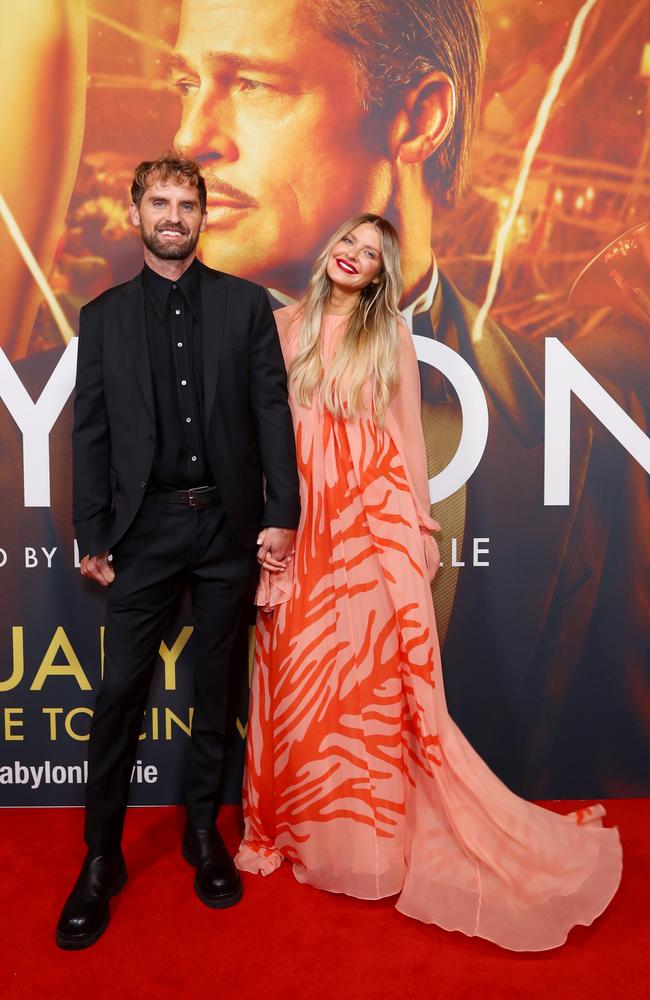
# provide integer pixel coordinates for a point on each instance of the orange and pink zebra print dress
(355, 773)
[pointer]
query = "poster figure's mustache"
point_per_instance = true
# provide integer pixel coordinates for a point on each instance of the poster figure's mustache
(220, 190)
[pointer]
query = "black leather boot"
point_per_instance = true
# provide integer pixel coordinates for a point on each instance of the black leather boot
(217, 881)
(85, 916)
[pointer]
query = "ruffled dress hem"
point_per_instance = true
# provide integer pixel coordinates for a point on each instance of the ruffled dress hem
(542, 927)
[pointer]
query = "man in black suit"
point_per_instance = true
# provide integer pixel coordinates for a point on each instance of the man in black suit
(180, 411)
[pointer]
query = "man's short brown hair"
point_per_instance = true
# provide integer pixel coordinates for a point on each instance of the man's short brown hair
(172, 165)
(397, 42)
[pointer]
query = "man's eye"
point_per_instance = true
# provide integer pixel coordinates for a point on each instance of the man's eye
(245, 84)
(157, 203)
(185, 86)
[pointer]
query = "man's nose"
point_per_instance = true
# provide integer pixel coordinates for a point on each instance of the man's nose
(205, 132)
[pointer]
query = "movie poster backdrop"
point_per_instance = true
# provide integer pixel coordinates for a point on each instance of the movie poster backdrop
(543, 497)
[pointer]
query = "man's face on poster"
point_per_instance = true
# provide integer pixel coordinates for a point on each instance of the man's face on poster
(273, 113)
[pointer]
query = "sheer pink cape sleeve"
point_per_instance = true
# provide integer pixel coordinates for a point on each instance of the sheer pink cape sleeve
(403, 423)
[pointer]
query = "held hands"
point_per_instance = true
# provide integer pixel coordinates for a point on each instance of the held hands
(98, 568)
(275, 548)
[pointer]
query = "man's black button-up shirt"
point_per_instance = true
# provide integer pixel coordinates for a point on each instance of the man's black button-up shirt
(173, 317)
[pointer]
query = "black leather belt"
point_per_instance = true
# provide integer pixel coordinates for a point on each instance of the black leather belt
(198, 496)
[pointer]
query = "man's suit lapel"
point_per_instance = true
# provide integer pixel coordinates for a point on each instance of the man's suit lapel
(507, 490)
(134, 334)
(515, 390)
(213, 312)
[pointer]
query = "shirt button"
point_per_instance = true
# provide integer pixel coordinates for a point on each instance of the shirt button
(194, 458)
(177, 311)
(174, 286)
(183, 381)
(142, 484)
(188, 420)
(180, 343)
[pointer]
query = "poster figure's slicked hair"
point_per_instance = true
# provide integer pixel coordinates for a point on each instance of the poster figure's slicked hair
(395, 43)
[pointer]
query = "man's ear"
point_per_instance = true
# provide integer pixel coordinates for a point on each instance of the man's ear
(425, 118)
(204, 222)
(134, 214)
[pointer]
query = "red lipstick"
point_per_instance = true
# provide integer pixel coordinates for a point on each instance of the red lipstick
(345, 265)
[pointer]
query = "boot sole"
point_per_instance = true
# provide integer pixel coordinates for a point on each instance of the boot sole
(214, 902)
(78, 943)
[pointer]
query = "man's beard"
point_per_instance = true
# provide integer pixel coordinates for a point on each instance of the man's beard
(169, 251)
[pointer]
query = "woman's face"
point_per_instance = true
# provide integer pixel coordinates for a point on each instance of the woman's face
(355, 261)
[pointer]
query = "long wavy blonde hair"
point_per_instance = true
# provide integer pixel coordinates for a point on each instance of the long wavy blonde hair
(369, 348)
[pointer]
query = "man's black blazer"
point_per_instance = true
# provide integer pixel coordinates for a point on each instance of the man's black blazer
(249, 434)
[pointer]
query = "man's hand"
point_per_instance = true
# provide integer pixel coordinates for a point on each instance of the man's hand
(275, 548)
(98, 568)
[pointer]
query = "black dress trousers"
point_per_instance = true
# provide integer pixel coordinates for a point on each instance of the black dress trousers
(167, 545)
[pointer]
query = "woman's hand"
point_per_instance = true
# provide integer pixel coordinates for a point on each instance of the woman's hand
(275, 548)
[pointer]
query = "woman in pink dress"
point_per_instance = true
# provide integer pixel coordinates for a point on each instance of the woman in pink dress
(355, 772)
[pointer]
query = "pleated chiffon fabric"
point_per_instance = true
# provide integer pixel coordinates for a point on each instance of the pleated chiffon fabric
(355, 772)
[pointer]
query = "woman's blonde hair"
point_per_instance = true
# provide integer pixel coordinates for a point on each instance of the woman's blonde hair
(369, 349)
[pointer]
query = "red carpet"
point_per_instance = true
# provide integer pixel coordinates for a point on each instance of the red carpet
(285, 940)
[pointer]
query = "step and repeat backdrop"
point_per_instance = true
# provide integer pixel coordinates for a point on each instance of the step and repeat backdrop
(302, 113)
